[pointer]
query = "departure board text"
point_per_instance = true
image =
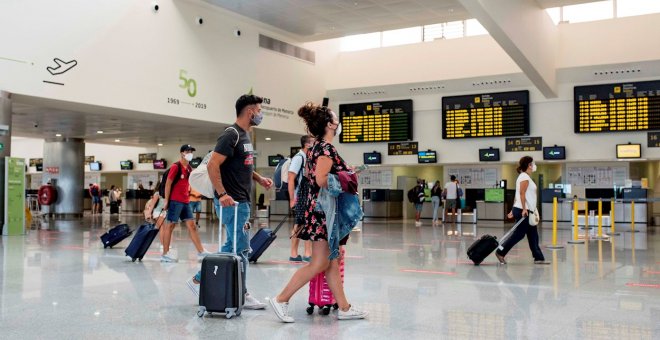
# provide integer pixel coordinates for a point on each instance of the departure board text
(389, 121)
(617, 107)
(486, 115)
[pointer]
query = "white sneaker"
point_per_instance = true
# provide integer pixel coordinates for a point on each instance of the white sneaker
(252, 303)
(203, 254)
(417, 224)
(351, 314)
(281, 310)
(168, 258)
(193, 286)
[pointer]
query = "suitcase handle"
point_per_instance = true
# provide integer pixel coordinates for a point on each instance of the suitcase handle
(220, 226)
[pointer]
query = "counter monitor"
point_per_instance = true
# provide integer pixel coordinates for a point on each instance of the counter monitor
(160, 164)
(625, 151)
(95, 166)
(428, 156)
(274, 160)
(554, 152)
(617, 107)
(388, 121)
(372, 158)
(489, 155)
(486, 115)
(126, 165)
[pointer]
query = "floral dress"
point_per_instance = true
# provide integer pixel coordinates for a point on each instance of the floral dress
(315, 228)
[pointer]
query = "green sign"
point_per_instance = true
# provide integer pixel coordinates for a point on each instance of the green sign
(494, 195)
(14, 196)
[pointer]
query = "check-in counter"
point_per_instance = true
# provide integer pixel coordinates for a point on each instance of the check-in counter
(623, 210)
(496, 205)
(383, 203)
(135, 200)
(564, 209)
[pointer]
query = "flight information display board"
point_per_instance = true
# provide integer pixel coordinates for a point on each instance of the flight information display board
(617, 107)
(486, 115)
(388, 121)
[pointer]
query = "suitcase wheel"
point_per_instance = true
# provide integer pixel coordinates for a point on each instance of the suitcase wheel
(310, 309)
(335, 306)
(140, 259)
(133, 259)
(201, 311)
(325, 310)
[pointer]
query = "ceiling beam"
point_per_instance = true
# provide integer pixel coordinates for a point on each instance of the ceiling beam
(527, 35)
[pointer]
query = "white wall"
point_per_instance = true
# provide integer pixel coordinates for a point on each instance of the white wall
(130, 58)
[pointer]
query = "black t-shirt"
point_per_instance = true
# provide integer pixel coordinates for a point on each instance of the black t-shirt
(237, 169)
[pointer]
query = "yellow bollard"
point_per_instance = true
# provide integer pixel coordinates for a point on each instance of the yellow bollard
(554, 245)
(632, 216)
(612, 228)
(576, 237)
(600, 220)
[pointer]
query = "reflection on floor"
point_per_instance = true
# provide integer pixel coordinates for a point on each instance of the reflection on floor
(416, 282)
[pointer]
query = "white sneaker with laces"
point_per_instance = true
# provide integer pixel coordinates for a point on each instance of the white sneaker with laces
(351, 314)
(193, 286)
(281, 309)
(168, 258)
(252, 303)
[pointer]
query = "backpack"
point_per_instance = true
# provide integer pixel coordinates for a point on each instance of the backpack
(95, 190)
(199, 178)
(281, 176)
(163, 180)
(412, 197)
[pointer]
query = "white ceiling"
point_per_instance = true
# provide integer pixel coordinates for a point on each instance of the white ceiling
(43, 118)
(312, 20)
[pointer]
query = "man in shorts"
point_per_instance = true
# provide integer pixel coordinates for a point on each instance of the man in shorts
(296, 174)
(196, 204)
(451, 197)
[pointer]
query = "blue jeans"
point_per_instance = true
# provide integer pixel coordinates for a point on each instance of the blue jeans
(436, 204)
(178, 211)
(524, 229)
(242, 235)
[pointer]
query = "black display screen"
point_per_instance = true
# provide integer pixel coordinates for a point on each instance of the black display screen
(274, 160)
(617, 107)
(388, 121)
(372, 158)
(428, 156)
(486, 115)
(554, 152)
(126, 165)
(489, 155)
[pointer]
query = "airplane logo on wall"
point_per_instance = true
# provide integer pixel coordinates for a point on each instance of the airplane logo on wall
(61, 68)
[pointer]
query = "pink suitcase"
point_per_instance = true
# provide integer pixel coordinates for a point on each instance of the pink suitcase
(319, 291)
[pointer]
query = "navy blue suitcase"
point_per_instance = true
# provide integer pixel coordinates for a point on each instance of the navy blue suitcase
(142, 240)
(115, 235)
(486, 244)
(262, 240)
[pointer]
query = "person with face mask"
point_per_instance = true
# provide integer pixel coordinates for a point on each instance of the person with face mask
(231, 170)
(177, 204)
(525, 201)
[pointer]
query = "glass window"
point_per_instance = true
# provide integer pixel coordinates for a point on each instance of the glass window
(555, 14)
(453, 29)
(627, 8)
(432, 32)
(360, 42)
(402, 36)
(591, 11)
(473, 27)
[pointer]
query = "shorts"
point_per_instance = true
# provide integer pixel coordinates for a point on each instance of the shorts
(178, 211)
(96, 200)
(419, 207)
(196, 206)
(450, 204)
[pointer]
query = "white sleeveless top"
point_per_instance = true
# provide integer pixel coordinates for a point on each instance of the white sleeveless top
(530, 194)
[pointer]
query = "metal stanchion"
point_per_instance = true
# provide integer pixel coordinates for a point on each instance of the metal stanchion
(554, 245)
(612, 229)
(576, 239)
(600, 221)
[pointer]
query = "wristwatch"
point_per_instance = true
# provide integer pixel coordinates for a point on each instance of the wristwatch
(224, 193)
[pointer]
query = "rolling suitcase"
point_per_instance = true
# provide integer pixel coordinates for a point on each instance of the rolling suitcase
(222, 287)
(481, 248)
(115, 235)
(142, 240)
(262, 240)
(319, 291)
(114, 208)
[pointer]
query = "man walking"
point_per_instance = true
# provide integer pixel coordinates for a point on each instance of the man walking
(297, 199)
(177, 199)
(231, 170)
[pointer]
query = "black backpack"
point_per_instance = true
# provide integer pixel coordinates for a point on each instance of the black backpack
(412, 196)
(163, 180)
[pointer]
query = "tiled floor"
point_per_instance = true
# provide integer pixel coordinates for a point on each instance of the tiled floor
(416, 283)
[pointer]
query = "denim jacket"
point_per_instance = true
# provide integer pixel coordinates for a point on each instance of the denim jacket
(342, 213)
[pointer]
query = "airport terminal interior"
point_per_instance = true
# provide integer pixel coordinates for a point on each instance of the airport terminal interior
(102, 98)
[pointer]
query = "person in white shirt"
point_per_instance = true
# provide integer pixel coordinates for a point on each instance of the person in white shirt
(451, 197)
(297, 166)
(524, 202)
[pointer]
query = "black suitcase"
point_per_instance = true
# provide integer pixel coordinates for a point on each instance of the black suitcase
(142, 240)
(481, 248)
(222, 288)
(115, 235)
(262, 240)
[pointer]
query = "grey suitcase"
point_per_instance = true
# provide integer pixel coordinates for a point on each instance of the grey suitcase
(222, 286)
